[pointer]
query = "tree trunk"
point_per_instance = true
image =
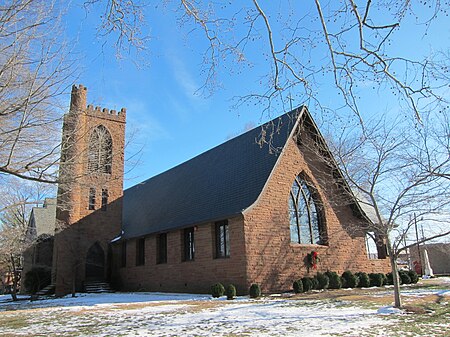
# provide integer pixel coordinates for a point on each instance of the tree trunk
(14, 289)
(14, 275)
(394, 270)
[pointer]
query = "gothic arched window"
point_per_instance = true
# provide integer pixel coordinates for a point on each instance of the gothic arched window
(100, 150)
(305, 213)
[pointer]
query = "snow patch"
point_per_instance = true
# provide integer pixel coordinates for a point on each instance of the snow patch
(389, 311)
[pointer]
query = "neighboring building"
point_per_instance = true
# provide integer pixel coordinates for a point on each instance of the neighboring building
(247, 211)
(438, 255)
(40, 234)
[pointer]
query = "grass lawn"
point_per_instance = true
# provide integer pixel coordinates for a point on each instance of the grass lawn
(345, 312)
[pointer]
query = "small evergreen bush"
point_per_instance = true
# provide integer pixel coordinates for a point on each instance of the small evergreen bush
(335, 280)
(323, 280)
(364, 281)
(217, 290)
(404, 276)
(230, 291)
(376, 279)
(389, 279)
(36, 279)
(307, 283)
(413, 276)
(297, 286)
(315, 282)
(349, 279)
(255, 290)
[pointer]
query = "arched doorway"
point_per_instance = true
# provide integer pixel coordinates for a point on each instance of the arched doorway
(95, 263)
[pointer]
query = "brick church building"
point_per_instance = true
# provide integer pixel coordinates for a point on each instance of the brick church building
(247, 211)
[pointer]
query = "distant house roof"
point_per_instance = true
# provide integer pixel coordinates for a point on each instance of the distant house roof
(43, 219)
(217, 184)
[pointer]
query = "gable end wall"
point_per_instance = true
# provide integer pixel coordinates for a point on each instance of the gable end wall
(272, 260)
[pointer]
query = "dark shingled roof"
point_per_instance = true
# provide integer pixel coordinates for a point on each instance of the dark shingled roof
(215, 185)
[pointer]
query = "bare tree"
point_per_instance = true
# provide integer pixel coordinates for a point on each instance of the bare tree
(390, 167)
(34, 72)
(299, 46)
(14, 239)
(353, 35)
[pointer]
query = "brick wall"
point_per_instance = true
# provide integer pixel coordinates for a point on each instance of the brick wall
(176, 275)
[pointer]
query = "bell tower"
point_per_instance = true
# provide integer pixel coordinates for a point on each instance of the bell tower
(90, 190)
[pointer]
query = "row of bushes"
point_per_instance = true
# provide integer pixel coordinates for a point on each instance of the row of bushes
(218, 290)
(331, 280)
(327, 280)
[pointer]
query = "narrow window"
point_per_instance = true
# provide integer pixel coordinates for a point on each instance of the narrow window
(162, 248)
(140, 252)
(222, 239)
(189, 248)
(305, 213)
(92, 198)
(124, 254)
(104, 199)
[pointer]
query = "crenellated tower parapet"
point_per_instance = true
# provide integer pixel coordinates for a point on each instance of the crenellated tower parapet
(78, 104)
(106, 113)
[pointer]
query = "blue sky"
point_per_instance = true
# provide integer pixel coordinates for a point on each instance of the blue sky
(168, 120)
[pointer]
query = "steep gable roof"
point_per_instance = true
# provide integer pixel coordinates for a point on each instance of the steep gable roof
(42, 219)
(215, 185)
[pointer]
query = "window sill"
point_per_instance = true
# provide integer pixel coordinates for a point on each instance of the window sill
(308, 245)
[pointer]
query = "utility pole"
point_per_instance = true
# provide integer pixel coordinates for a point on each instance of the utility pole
(408, 255)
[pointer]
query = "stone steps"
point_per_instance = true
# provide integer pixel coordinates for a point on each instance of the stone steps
(98, 287)
(48, 290)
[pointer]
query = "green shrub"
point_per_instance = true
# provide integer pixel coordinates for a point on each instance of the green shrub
(404, 276)
(364, 281)
(315, 282)
(376, 279)
(297, 286)
(230, 291)
(413, 276)
(335, 280)
(255, 290)
(37, 279)
(217, 290)
(323, 280)
(307, 283)
(349, 279)
(389, 279)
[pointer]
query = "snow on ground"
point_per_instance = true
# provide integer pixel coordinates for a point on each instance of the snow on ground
(155, 314)
(159, 314)
(98, 300)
